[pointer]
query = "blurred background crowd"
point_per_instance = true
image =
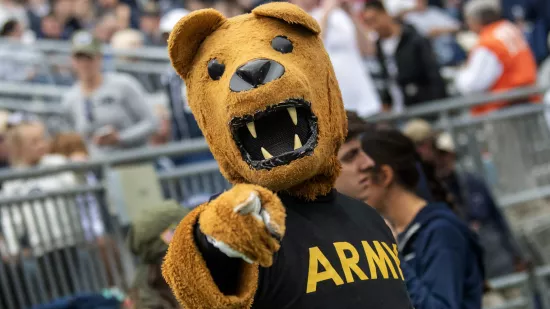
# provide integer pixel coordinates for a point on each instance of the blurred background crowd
(114, 92)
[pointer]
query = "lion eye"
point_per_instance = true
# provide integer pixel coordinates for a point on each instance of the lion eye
(215, 69)
(282, 44)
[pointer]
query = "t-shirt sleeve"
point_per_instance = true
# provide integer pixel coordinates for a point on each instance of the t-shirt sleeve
(142, 113)
(482, 71)
(67, 102)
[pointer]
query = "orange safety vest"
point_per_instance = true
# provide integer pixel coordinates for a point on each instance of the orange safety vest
(507, 42)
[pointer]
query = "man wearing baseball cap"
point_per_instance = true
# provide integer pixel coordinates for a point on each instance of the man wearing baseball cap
(502, 255)
(169, 20)
(85, 44)
(149, 24)
(422, 134)
(108, 110)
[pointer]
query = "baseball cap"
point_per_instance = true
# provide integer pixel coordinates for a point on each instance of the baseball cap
(169, 21)
(445, 142)
(83, 42)
(418, 130)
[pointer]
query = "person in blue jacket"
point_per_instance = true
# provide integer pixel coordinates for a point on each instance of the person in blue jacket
(502, 252)
(441, 258)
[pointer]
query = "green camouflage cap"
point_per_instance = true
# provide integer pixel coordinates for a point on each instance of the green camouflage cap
(84, 42)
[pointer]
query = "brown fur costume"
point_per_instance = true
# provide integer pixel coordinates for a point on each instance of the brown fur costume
(197, 39)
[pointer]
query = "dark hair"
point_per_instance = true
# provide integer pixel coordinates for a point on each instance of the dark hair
(356, 126)
(375, 5)
(8, 27)
(391, 147)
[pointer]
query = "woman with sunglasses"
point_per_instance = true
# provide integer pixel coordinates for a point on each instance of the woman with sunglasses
(440, 257)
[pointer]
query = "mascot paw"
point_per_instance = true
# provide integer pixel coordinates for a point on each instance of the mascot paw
(246, 222)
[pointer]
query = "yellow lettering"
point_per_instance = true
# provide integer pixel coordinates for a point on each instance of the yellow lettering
(349, 264)
(395, 256)
(314, 276)
(380, 259)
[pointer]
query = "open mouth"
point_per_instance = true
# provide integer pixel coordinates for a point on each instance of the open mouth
(277, 135)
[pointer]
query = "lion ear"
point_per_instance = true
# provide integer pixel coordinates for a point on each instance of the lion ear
(288, 13)
(188, 35)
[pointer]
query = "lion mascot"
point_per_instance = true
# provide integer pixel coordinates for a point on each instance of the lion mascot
(264, 93)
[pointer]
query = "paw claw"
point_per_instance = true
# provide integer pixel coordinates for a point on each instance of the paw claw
(271, 226)
(252, 205)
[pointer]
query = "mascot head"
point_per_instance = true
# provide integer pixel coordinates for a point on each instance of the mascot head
(264, 93)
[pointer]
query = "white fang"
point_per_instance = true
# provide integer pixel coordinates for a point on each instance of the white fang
(252, 128)
(266, 154)
(297, 142)
(293, 115)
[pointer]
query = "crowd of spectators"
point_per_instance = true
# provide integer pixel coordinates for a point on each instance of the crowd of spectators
(59, 19)
(387, 55)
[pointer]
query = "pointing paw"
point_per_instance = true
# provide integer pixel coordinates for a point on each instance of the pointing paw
(245, 222)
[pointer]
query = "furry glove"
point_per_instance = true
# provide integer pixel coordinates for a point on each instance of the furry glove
(247, 222)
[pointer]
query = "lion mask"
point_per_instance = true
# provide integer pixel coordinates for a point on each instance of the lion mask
(264, 93)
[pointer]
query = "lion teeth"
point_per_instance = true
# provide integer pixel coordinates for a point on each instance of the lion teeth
(252, 128)
(297, 142)
(293, 115)
(266, 154)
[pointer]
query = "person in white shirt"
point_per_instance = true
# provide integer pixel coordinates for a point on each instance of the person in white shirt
(437, 25)
(339, 34)
(398, 8)
(41, 233)
(44, 223)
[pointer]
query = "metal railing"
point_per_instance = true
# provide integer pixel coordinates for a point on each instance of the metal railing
(63, 47)
(519, 280)
(50, 62)
(57, 265)
(444, 107)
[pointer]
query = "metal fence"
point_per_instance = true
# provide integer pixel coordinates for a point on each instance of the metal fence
(524, 125)
(48, 62)
(52, 252)
(510, 150)
(65, 241)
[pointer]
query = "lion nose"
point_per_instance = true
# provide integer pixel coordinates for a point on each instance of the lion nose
(255, 73)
